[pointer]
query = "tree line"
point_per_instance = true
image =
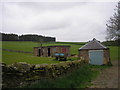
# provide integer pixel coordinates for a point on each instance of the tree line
(27, 37)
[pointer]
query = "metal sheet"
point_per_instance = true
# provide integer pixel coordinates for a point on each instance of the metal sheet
(96, 57)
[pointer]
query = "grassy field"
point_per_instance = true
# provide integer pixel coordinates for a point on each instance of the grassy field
(114, 53)
(76, 79)
(15, 45)
(10, 57)
(28, 46)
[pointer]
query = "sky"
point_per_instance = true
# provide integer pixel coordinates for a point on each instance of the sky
(68, 21)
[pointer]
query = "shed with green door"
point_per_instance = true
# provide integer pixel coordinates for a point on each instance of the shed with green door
(94, 53)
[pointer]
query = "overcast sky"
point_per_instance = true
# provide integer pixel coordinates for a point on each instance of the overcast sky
(67, 21)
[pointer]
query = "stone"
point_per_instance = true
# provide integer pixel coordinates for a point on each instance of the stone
(21, 66)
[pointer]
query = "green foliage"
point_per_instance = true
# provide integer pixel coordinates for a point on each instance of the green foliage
(72, 58)
(111, 43)
(27, 37)
(98, 67)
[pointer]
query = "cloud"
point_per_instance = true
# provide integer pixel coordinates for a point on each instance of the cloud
(59, 0)
(66, 21)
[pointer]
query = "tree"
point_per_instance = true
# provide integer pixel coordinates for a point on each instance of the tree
(113, 26)
(9, 37)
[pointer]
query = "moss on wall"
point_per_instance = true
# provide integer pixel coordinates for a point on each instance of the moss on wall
(20, 74)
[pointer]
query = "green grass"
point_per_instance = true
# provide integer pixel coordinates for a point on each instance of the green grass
(75, 43)
(16, 45)
(76, 79)
(114, 53)
(11, 57)
(73, 80)
(72, 58)
(28, 46)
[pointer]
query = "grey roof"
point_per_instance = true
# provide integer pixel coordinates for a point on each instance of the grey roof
(94, 44)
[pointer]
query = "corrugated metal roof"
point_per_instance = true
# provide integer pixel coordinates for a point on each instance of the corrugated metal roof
(94, 44)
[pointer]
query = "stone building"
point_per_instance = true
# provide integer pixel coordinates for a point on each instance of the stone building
(47, 51)
(94, 53)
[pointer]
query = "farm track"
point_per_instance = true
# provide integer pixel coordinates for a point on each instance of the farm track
(108, 77)
(10, 50)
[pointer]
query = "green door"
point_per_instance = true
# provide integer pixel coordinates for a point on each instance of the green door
(96, 57)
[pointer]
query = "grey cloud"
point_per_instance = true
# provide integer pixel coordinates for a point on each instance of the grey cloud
(66, 21)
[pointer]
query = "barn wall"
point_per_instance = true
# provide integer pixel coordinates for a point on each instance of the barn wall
(84, 54)
(56, 49)
(68, 51)
(35, 51)
(45, 52)
(106, 56)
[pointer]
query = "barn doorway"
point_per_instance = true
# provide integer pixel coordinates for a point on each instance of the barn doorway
(48, 51)
(96, 57)
(39, 52)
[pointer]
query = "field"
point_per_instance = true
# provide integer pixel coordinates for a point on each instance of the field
(78, 79)
(11, 57)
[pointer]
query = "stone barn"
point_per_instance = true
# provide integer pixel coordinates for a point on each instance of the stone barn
(94, 53)
(47, 51)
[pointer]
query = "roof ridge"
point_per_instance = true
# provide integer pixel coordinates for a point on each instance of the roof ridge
(101, 44)
(93, 44)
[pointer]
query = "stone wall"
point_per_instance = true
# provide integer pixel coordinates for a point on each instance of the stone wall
(106, 56)
(84, 54)
(35, 51)
(21, 74)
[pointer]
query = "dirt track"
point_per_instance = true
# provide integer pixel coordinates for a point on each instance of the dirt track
(108, 77)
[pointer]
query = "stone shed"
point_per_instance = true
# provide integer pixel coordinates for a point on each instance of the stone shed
(47, 51)
(94, 53)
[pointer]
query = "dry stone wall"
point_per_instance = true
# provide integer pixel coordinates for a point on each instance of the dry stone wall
(21, 74)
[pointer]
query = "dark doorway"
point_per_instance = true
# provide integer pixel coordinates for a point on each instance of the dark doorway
(39, 52)
(48, 51)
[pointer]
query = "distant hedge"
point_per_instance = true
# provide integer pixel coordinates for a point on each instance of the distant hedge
(27, 37)
(112, 43)
(20, 74)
